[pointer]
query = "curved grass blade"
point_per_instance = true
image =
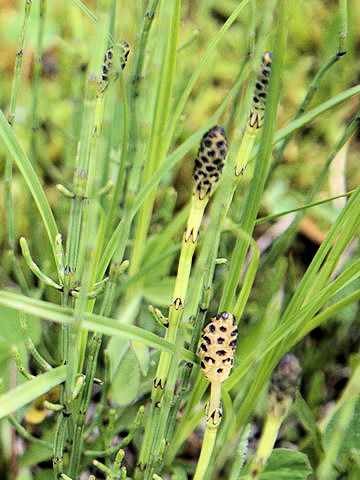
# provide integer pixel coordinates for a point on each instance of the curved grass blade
(28, 391)
(27, 170)
(97, 323)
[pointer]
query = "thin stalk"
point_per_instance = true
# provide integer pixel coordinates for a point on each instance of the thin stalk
(9, 161)
(160, 415)
(175, 312)
(36, 81)
(26, 435)
(94, 348)
(135, 140)
(183, 382)
(283, 242)
(182, 280)
(210, 435)
(134, 96)
(261, 168)
(30, 344)
(169, 22)
(211, 154)
(314, 85)
(284, 382)
(267, 441)
(132, 430)
(34, 268)
(120, 177)
(269, 218)
(79, 258)
(141, 48)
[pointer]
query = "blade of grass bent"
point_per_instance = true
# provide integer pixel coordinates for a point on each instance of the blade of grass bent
(97, 323)
(27, 170)
(30, 390)
(261, 168)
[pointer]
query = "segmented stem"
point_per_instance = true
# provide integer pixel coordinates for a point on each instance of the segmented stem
(208, 168)
(283, 384)
(216, 351)
(256, 115)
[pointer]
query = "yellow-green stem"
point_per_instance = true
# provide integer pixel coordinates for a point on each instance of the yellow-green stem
(244, 152)
(267, 441)
(175, 312)
(182, 281)
(213, 414)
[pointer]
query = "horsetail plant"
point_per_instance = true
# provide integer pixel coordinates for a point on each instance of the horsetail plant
(109, 72)
(216, 351)
(256, 115)
(208, 168)
(206, 174)
(283, 384)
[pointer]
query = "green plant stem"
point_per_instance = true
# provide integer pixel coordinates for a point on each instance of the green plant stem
(110, 451)
(134, 96)
(36, 81)
(80, 261)
(269, 218)
(30, 344)
(283, 242)
(141, 49)
(77, 449)
(119, 182)
(9, 161)
(25, 434)
(183, 384)
(314, 85)
(169, 18)
(261, 168)
(210, 432)
(94, 348)
(175, 312)
(264, 449)
(34, 268)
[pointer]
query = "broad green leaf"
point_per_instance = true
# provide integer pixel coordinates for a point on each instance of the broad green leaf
(45, 475)
(342, 433)
(160, 293)
(125, 385)
(117, 348)
(36, 454)
(308, 420)
(24, 474)
(142, 354)
(286, 464)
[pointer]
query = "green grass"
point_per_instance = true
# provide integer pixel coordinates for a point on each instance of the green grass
(96, 195)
